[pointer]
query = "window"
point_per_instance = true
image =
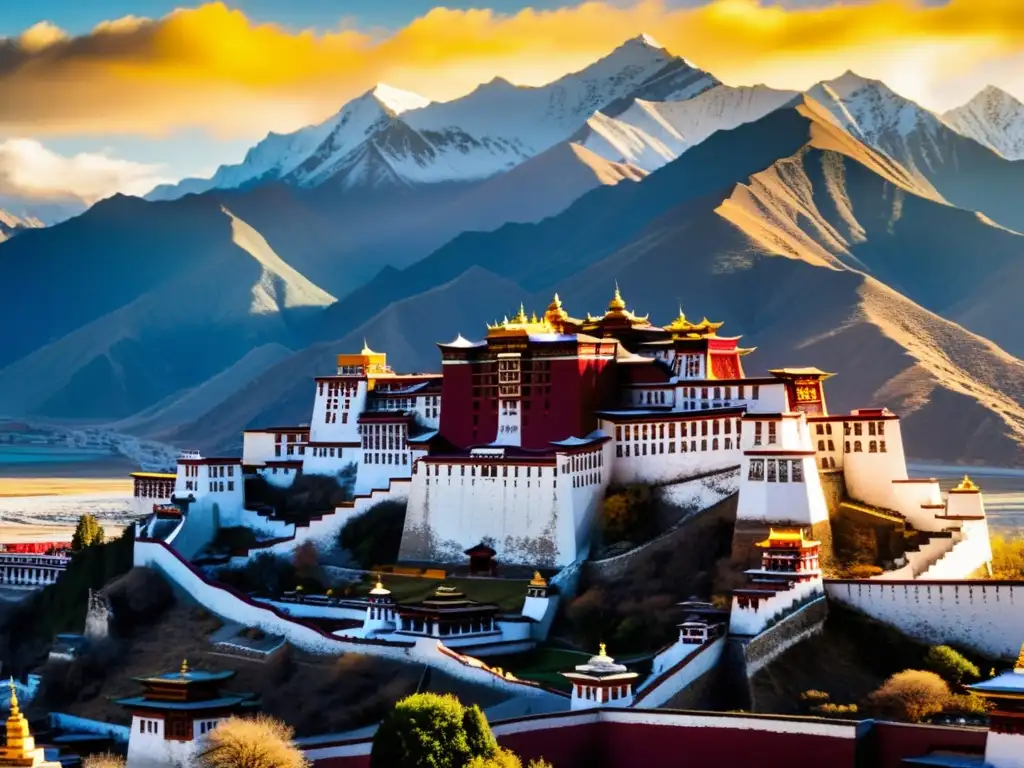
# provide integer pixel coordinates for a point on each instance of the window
(856, 446)
(873, 445)
(757, 433)
(831, 445)
(703, 445)
(618, 432)
(783, 471)
(618, 451)
(756, 469)
(728, 443)
(871, 428)
(798, 471)
(847, 447)
(714, 444)
(771, 432)
(881, 446)
(755, 392)
(881, 428)
(820, 429)
(858, 428)
(231, 485)
(821, 445)
(772, 470)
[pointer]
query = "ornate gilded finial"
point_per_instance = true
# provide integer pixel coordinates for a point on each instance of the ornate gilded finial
(1019, 666)
(379, 584)
(966, 485)
(14, 698)
(366, 348)
(602, 650)
(557, 302)
(617, 304)
(184, 667)
(538, 580)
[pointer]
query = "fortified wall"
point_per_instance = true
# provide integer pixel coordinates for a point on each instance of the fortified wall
(985, 616)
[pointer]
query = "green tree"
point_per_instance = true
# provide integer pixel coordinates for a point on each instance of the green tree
(88, 531)
(258, 742)
(373, 538)
(426, 730)
(950, 664)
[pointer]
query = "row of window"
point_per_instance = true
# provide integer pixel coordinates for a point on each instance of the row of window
(222, 470)
(292, 450)
(592, 693)
(661, 431)
(336, 388)
(590, 478)
(292, 437)
(205, 726)
(386, 458)
(875, 446)
(779, 470)
(874, 428)
(154, 489)
(623, 451)
(219, 486)
(323, 453)
(488, 470)
(584, 461)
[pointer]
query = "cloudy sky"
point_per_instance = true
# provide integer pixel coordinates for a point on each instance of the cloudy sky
(112, 95)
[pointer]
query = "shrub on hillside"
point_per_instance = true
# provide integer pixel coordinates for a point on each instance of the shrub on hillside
(835, 710)
(911, 696)
(965, 703)
(258, 742)
(627, 515)
(103, 760)
(426, 730)
(951, 665)
(814, 697)
(373, 538)
(862, 571)
(1007, 557)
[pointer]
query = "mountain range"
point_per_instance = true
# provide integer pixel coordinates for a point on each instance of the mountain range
(846, 227)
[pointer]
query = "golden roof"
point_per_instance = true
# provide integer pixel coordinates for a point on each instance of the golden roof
(538, 580)
(786, 537)
(1019, 666)
(682, 327)
(520, 323)
(967, 485)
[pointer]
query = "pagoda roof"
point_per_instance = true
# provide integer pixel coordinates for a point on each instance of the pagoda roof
(776, 538)
(185, 676)
(684, 328)
(595, 437)
(460, 342)
(232, 700)
(1010, 683)
(784, 373)
(966, 486)
(423, 437)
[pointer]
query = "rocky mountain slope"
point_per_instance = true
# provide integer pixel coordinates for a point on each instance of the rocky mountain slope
(787, 229)
(993, 118)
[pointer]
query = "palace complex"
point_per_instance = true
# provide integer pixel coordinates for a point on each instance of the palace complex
(515, 443)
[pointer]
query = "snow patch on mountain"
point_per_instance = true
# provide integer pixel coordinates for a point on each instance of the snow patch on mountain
(993, 118)
(871, 111)
(389, 136)
(649, 134)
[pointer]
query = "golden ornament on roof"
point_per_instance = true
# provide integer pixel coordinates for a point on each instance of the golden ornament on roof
(1019, 666)
(966, 485)
(538, 580)
(617, 304)
(184, 667)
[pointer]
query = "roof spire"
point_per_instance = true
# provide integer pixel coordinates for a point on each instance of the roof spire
(617, 304)
(14, 698)
(1019, 666)
(184, 667)
(366, 348)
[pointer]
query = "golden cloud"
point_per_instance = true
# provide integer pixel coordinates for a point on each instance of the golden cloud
(214, 68)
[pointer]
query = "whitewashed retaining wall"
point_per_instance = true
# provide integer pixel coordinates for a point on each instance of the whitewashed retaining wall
(657, 691)
(987, 616)
(752, 621)
(231, 607)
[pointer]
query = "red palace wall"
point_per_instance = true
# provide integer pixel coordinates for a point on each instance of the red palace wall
(635, 738)
(457, 404)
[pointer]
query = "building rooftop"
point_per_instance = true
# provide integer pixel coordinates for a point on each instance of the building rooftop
(228, 700)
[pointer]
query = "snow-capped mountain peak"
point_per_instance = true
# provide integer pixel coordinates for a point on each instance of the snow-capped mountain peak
(392, 136)
(870, 110)
(395, 99)
(993, 118)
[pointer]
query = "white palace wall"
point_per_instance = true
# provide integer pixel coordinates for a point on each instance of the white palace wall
(539, 515)
(987, 616)
(659, 688)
